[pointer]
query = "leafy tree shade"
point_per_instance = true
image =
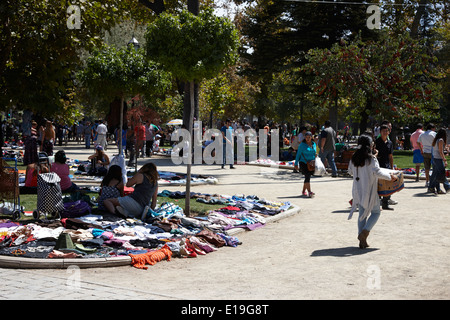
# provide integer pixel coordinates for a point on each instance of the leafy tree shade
(396, 77)
(115, 73)
(193, 48)
(39, 53)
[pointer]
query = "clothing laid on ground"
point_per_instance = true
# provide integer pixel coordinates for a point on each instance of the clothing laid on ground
(146, 242)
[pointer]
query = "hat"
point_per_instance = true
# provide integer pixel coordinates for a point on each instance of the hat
(308, 133)
(64, 243)
(99, 147)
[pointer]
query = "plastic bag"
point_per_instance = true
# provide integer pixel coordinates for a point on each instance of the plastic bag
(319, 167)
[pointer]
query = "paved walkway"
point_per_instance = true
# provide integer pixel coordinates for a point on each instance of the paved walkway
(310, 255)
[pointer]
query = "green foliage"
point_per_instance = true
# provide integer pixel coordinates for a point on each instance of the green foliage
(39, 53)
(192, 47)
(395, 77)
(111, 73)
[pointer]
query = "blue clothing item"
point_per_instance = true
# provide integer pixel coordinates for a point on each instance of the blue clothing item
(226, 130)
(438, 176)
(305, 153)
(368, 222)
(329, 155)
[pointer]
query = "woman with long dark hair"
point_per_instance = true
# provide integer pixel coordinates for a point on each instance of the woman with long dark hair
(306, 152)
(145, 183)
(112, 186)
(439, 164)
(365, 169)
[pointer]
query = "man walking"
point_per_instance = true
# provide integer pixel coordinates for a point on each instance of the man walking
(88, 133)
(149, 138)
(227, 136)
(417, 154)
(425, 142)
(385, 157)
(328, 146)
(102, 130)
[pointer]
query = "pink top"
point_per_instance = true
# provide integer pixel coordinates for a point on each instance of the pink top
(414, 138)
(62, 170)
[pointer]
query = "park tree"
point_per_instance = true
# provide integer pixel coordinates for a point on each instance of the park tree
(40, 45)
(396, 77)
(278, 34)
(111, 73)
(193, 48)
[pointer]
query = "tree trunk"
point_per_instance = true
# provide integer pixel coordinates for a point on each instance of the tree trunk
(365, 116)
(120, 126)
(416, 22)
(189, 164)
(333, 114)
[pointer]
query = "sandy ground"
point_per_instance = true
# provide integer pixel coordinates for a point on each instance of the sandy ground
(310, 255)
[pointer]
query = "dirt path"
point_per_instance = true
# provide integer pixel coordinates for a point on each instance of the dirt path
(311, 255)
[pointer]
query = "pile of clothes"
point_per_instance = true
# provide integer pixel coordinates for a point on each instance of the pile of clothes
(160, 234)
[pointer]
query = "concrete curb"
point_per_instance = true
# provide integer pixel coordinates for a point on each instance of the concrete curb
(35, 263)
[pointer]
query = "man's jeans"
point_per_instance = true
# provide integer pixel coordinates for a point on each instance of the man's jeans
(329, 155)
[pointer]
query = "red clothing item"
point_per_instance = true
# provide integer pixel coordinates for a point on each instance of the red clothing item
(62, 170)
(139, 132)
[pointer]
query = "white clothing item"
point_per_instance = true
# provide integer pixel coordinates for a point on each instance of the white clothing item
(365, 189)
(102, 129)
(436, 153)
(426, 139)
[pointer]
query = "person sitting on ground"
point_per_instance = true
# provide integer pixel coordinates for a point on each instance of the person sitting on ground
(31, 174)
(99, 162)
(145, 183)
(112, 186)
(288, 155)
(61, 168)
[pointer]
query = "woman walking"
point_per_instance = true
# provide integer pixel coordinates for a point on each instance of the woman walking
(366, 171)
(439, 164)
(306, 152)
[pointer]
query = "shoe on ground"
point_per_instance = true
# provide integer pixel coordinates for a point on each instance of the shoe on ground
(392, 202)
(311, 195)
(387, 208)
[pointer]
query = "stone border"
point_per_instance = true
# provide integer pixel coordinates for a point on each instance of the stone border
(36, 263)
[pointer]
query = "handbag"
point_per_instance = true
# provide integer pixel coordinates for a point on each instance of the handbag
(311, 165)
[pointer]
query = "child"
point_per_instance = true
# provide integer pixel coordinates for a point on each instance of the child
(112, 186)
(145, 183)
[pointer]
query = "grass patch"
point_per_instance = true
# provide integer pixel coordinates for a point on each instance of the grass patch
(29, 202)
(404, 159)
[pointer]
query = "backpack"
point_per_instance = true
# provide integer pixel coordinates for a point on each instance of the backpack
(75, 209)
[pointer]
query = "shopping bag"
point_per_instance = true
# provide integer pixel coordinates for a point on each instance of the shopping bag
(319, 169)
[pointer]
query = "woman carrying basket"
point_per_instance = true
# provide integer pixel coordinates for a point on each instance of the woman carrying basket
(366, 171)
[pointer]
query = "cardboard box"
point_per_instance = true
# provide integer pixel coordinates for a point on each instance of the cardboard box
(388, 187)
